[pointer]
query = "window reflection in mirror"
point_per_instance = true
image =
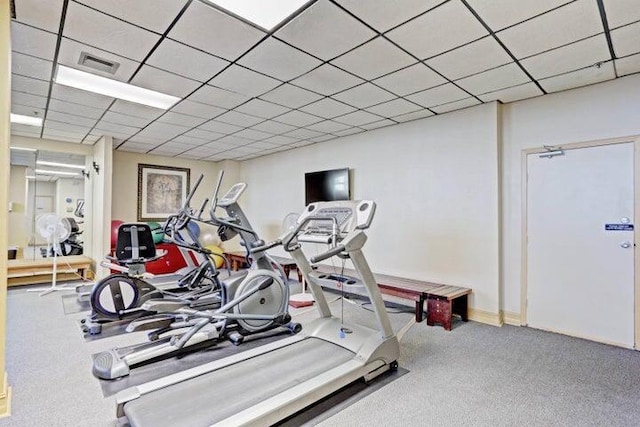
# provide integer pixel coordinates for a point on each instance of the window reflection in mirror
(47, 204)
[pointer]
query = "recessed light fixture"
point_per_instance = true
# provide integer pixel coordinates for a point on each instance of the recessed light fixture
(25, 120)
(90, 82)
(32, 150)
(46, 172)
(264, 13)
(60, 165)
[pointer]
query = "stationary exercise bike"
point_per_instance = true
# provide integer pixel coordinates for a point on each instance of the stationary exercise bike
(120, 296)
(253, 301)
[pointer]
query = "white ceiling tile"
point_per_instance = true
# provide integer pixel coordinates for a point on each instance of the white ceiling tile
(364, 96)
(218, 97)
(447, 26)
(583, 77)
(186, 61)
(568, 58)
(154, 15)
(351, 131)
(147, 140)
(325, 31)
(232, 141)
(328, 126)
(260, 108)
(220, 127)
(28, 100)
(162, 81)
(83, 97)
(136, 147)
(621, 12)
(252, 134)
(108, 128)
(357, 118)
(239, 119)
(410, 80)
(327, 80)
(91, 139)
(167, 150)
(31, 67)
(70, 118)
(263, 145)
(365, 61)
(324, 138)
(244, 81)
(62, 135)
(66, 127)
(77, 109)
(277, 59)
(298, 118)
(213, 31)
(567, 24)
(187, 155)
(473, 58)
(280, 140)
(97, 29)
(626, 40)
(136, 110)
(38, 13)
(516, 93)
(201, 134)
(163, 130)
(23, 130)
(384, 14)
(70, 52)
(187, 141)
(413, 116)
(328, 108)
(29, 85)
(628, 65)
(499, 14)
(303, 133)
(273, 127)
(380, 124)
(291, 96)
(394, 108)
(197, 109)
(181, 119)
(302, 143)
(27, 111)
(125, 119)
(438, 95)
(455, 105)
(32, 41)
(498, 78)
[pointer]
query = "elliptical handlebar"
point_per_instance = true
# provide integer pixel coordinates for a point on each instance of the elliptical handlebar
(265, 247)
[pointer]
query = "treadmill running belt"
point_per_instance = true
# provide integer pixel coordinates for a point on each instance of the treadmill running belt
(212, 397)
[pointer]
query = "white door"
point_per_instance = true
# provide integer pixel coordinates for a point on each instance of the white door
(580, 253)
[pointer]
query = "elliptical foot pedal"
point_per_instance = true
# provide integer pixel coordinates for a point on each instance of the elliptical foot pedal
(293, 327)
(236, 338)
(108, 365)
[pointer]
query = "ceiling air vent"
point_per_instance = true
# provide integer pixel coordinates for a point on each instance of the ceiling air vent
(100, 64)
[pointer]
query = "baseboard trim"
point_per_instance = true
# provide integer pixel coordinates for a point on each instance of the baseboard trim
(511, 318)
(5, 399)
(493, 319)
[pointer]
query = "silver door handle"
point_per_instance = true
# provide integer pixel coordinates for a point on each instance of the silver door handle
(625, 245)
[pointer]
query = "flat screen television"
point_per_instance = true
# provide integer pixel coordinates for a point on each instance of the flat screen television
(325, 186)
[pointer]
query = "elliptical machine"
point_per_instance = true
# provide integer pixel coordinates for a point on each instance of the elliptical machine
(252, 301)
(120, 296)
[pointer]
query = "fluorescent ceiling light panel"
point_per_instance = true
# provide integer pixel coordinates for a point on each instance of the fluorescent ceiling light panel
(60, 165)
(264, 13)
(26, 120)
(90, 82)
(46, 172)
(33, 150)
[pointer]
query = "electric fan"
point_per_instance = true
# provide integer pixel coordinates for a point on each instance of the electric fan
(303, 299)
(55, 230)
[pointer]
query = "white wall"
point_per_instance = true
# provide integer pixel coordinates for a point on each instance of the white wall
(100, 200)
(19, 222)
(605, 110)
(68, 188)
(436, 185)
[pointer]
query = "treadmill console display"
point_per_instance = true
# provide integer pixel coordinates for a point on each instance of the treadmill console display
(349, 215)
(232, 195)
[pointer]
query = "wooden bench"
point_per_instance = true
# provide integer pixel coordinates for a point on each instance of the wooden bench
(443, 301)
(29, 271)
(239, 259)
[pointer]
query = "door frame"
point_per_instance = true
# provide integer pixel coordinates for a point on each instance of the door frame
(635, 139)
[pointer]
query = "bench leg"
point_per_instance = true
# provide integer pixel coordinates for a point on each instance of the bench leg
(460, 307)
(287, 270)
(439, 311)
(419, 309)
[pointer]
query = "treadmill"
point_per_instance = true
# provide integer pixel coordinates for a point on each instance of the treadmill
(267, 384)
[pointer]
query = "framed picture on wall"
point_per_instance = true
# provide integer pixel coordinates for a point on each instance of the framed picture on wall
(162, 191)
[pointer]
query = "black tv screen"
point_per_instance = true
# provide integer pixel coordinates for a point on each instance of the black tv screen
(325, 186)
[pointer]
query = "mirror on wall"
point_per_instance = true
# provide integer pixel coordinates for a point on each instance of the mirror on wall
(47, 191)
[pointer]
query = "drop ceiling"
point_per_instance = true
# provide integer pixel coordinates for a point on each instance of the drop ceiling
(335, 68)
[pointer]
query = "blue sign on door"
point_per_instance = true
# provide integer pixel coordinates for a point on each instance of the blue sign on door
(618, 227)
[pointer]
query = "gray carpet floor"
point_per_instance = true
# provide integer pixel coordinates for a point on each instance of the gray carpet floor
(475, 375)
